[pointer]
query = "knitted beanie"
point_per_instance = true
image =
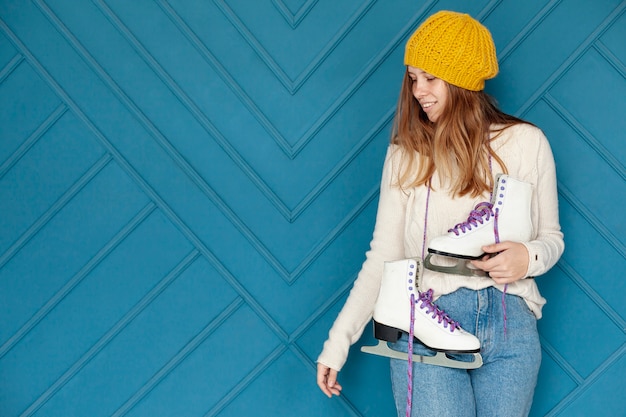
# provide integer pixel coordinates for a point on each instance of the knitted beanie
(454, 47)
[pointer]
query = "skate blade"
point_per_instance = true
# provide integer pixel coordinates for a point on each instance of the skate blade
(459, 269)
(440, 359)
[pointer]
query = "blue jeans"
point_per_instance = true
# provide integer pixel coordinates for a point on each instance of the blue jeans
(502, 387)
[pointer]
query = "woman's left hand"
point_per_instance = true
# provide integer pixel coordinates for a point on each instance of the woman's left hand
(505, 262)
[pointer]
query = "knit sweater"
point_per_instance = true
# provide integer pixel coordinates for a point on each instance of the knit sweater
(399, 233)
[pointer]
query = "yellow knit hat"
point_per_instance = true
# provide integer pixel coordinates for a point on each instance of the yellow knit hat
(454, 47)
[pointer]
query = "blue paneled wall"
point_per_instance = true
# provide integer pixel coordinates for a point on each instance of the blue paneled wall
(187, 190)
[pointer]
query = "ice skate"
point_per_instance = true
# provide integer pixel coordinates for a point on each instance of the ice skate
(505, 217)
(431, 326)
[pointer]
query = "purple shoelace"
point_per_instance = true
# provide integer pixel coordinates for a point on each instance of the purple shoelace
(481, 213)
(409, 397)
(426, 299)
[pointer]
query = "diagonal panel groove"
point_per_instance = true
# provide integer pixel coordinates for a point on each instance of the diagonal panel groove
(592, 220)
(41, 130)
(149, 191)
(588, 382)
(528, 29)
(343, 163)
(593, 143)
(322, 309)
(573, 58)
(255, 373)
(162, 141)
(561, 361)
(76, 279)
(177, 359)
(592, 294)
(228, 80)
(54, 209)
(610, 57)
(294, 19)
(192, 173)
(111, 333)
(332, 235)
(291, 151)
(193, 109)
(293, 85)
(10, 67)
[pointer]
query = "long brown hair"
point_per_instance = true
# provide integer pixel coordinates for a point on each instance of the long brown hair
(457, 145)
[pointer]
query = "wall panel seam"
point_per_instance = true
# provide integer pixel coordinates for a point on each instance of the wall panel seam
(228, 80)
(586, 136)
(54, 209)
(610, 57)
(178, 358)
(324, 308)
(593, 220)
(110, 334)
(294, 85)
(178, 159)
(11, 66)
(289, 150)
(32, 139)
(574, 57)
(193, 108)
(527, 30)
(588, 382)
(561, 361)
(294, 19)
(289, 277)
(372, 65)
(331, 236)
(246, 381)
(149, 191)
(591, 293)
(76, 279)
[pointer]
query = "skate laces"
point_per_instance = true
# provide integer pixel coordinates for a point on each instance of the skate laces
(426, 300)
(481, 213)
(409, 397)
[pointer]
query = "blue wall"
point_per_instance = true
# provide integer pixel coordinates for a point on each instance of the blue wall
(187, 190)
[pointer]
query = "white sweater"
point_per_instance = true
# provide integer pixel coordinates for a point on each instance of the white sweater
(399, 233)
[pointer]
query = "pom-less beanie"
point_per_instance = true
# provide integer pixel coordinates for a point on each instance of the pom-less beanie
(454, 47)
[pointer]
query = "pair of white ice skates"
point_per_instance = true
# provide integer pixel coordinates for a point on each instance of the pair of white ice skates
(505, 217)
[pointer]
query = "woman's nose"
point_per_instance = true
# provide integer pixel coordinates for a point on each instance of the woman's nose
(418, 90)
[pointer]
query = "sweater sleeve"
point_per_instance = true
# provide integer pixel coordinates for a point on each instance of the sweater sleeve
(386, 245)
(548, 245)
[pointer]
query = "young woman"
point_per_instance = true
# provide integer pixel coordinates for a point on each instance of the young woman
(449, 143)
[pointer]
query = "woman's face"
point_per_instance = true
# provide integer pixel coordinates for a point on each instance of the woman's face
(430, 92)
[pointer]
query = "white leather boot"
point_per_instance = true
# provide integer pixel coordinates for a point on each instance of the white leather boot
(505, 217)
(433, 327)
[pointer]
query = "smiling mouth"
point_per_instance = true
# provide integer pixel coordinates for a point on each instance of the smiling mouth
(427, 105)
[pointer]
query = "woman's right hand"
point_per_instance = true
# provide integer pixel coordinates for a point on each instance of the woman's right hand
(327, 380)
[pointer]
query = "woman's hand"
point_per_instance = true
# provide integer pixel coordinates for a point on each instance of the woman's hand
(505, 263)
(327, 380)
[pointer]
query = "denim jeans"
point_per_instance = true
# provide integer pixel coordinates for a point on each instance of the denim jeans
(502, 387)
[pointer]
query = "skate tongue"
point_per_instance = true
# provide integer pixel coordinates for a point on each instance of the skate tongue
(482, 212)
(426, 300)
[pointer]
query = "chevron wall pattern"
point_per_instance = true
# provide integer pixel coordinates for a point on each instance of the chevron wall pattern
(188, 188)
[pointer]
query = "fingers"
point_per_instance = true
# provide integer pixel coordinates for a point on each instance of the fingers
(327, 380)
(509, 263)
(497, 247)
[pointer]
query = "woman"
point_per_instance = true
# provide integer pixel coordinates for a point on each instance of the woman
(449, 143)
